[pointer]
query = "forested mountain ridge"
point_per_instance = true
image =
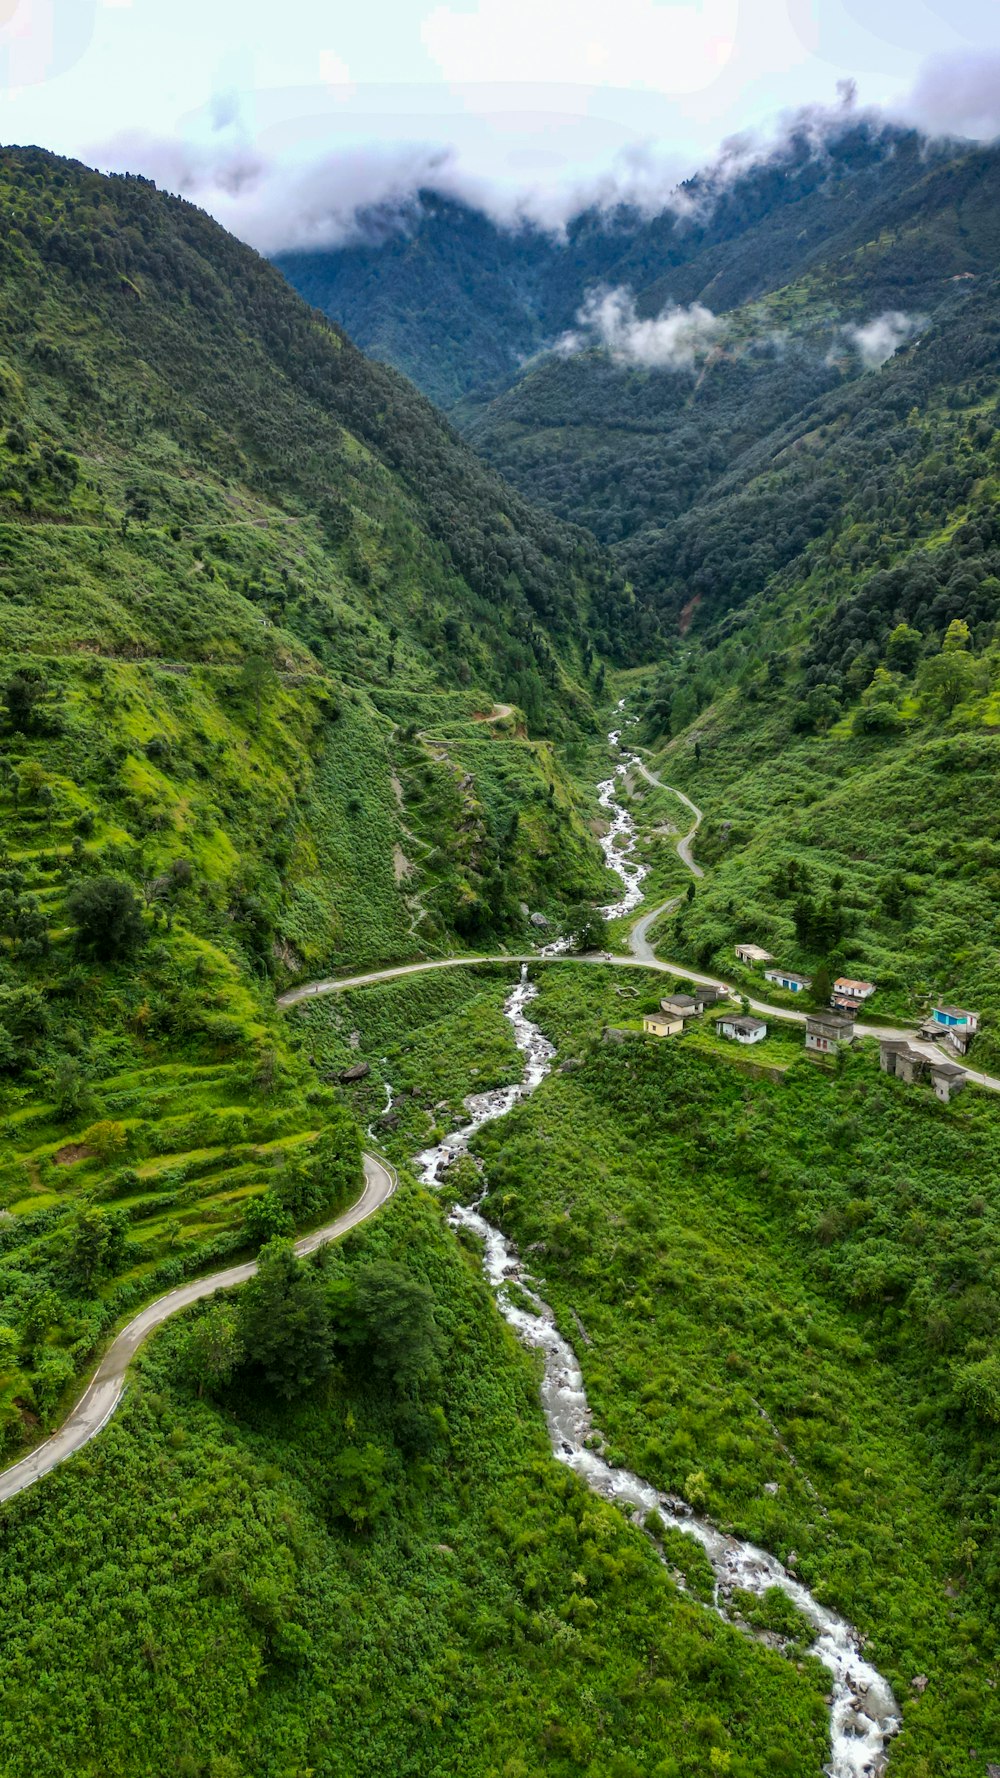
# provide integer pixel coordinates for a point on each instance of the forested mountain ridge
(706, 477)
(257, 603)
(458, 301)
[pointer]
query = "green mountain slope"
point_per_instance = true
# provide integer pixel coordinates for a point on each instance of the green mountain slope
(459, 302)
(708, 478)
(257, 604)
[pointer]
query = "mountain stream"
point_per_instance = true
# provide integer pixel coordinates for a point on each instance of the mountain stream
(864, 1714)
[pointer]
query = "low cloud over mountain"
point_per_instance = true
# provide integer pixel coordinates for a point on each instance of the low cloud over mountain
(877, 340)
(676, 339)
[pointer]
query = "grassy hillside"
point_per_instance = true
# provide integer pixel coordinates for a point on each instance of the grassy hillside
(849, 779)
(786, 1275)
(257, 604)
(385, 1571)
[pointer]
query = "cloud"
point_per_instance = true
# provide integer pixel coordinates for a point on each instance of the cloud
(879, 338)
(675, 339)
(684, 48)
(286, 196)
(277, 206)
(956, 95)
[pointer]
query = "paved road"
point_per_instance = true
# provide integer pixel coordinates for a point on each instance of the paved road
(684, 845)
(789, 1014)
(638, 938)
(100, 1399)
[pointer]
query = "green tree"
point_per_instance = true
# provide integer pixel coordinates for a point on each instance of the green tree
(284, 1321)
(879, 711)
(946, 679)
(957, 636)
(95, 1246)
(107, 917)
(258, 679)
(24, 694)
(11, 1382)
(903, 649)
(265, 1219)
(213, 1348)
(358, 1489)
(589, 928)
(822, 985)
(392, 1321)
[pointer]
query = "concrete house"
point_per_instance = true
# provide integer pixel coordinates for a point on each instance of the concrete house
(854, 990)
(826, 1031)
(741, 1029)
(711, 996)
(683, 1006)
(787, 979)
(849, 994)
(896, 1057)
(947, 1079)
(662, 1024)
(955, 1018)
(751, 954)
(955, 1025)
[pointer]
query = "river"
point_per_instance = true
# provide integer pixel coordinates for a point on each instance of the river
(619, 856)
(864, 1714)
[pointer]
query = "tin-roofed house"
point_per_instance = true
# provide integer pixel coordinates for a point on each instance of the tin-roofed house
(849, 995)
(682, 1006)
(740, 1028)
(787, 979)
(751, 954)
(956, 1024)
(660, 1024)
(947, 1078)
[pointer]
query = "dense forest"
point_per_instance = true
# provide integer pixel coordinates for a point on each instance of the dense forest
(707, 478)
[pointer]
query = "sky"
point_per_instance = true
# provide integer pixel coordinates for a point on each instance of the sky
(282, 117)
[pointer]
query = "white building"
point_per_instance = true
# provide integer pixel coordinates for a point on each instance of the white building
(751, 954)
(787, 979)
(740, 1029)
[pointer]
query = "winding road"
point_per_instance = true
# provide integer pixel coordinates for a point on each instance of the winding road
(790, 1014)
(107, 1386)
(104, 1392)
(638, 938)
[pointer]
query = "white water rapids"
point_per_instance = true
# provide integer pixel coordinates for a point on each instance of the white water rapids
(617, 856)
(864, 1714)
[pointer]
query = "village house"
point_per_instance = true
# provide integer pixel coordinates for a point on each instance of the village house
(956, 1018)
(751, 954)
(741, 1029)
(786, 978)
(848, 994)
(711, 996)
(955, 1024)
(898, 1058)
(826, 1031)
(662, 1024)
(946, 1079)
(682, 1006)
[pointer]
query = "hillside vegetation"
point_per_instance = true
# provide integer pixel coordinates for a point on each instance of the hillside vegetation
(786, 1281)
(257, 604)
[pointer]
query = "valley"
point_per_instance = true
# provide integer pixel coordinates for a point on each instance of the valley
(430, 1341)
